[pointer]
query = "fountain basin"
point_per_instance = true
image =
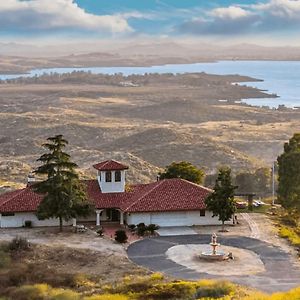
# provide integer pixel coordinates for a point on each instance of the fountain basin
(218, 256)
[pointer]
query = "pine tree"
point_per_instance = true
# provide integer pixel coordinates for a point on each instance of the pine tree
(64, 196)
(289, 175)
(221, 201)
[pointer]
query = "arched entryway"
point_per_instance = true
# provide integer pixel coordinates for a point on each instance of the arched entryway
(109, 215)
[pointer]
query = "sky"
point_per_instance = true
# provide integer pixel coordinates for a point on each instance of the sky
(276, 21)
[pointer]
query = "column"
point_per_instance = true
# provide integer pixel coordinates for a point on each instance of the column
(98, 212)
(121, 216)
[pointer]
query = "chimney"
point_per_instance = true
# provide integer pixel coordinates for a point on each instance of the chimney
(30, 179)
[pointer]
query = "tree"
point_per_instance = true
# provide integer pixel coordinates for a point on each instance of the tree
(258, 181)
(184, 170)
(245, 182)
(289, 175)
(221, 201)
(64, 196)
(263, 180)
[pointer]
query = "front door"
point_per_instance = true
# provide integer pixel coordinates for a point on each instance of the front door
(113, 215)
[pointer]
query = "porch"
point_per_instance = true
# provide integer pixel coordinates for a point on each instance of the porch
(104, 216)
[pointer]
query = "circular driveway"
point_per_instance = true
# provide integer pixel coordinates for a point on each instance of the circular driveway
(280, 275)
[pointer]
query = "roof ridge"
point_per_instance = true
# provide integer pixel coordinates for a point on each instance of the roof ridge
(17, 194)
(144, 195)
(196, 184)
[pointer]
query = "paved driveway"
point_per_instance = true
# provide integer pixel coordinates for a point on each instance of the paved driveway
(280, 274)
(178, 230)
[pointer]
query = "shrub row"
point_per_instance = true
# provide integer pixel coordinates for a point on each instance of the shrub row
(146, 288)
(141, 229)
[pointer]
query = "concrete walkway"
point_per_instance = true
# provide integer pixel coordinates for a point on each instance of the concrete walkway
(280, 274)
(178, 230)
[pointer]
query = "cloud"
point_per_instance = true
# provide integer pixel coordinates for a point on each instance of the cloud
(231, 13)
(42, 15)
(274, 15)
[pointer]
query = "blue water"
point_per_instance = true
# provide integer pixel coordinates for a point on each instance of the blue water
(279, 77)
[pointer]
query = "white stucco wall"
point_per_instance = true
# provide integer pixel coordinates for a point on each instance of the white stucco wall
(18, 220)
(182, 218)
(111, 187)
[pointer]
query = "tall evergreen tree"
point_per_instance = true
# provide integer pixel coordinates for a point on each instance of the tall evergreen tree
(64, 196)
(221, 201)
(289, 175)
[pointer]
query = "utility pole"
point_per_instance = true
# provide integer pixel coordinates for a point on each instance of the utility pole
(273, 183)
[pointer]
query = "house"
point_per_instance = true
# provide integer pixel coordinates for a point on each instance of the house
(169, 202)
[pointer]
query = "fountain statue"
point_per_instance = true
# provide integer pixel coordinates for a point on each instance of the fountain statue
(215, 255)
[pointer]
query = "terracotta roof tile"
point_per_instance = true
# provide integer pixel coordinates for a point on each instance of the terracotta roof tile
(110, 165)
(170, 195)
(164, 195)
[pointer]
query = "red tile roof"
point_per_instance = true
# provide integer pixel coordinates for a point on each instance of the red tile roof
(164, 195)
(169, 195)
(20, 201)
(110, 165)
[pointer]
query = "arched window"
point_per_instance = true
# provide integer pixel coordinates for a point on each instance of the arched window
(117, 176)
(108, 176)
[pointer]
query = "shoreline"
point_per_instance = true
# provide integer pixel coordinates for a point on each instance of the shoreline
(125, 63)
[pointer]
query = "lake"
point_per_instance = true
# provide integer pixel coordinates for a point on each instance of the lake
(279, 77)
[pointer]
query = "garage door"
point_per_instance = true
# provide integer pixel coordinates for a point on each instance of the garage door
(170, 219)
(13, 221)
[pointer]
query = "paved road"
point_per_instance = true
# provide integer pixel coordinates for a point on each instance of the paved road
(176, 230)
(280, 274)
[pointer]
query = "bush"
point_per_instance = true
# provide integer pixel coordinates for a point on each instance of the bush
(141, 229)
(107, 297)
(290, 234)
(152, 227)
(43, 291)
(99, 232)
(217, 289)
(19, 243)
(28, 224)
(131, 227)
(121, 236)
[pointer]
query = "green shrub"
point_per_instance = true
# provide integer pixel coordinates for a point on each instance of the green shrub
(216, 290)
(152, 227)
(141, 229)
(121, 236)
(173, 290)
(28, 224)
(19, 243)
(100, 232)
(131, 227)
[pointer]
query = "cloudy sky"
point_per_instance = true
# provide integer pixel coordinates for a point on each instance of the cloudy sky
(272, 20)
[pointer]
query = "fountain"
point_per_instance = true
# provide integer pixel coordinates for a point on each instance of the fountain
(215, 255)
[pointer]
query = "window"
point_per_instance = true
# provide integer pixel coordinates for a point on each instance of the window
(7, 214)
(108, 176)
(117, 176)
(202, 212)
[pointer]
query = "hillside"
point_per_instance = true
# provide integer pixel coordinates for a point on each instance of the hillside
(164, 118)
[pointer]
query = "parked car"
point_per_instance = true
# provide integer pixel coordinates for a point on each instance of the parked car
(241, 204)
